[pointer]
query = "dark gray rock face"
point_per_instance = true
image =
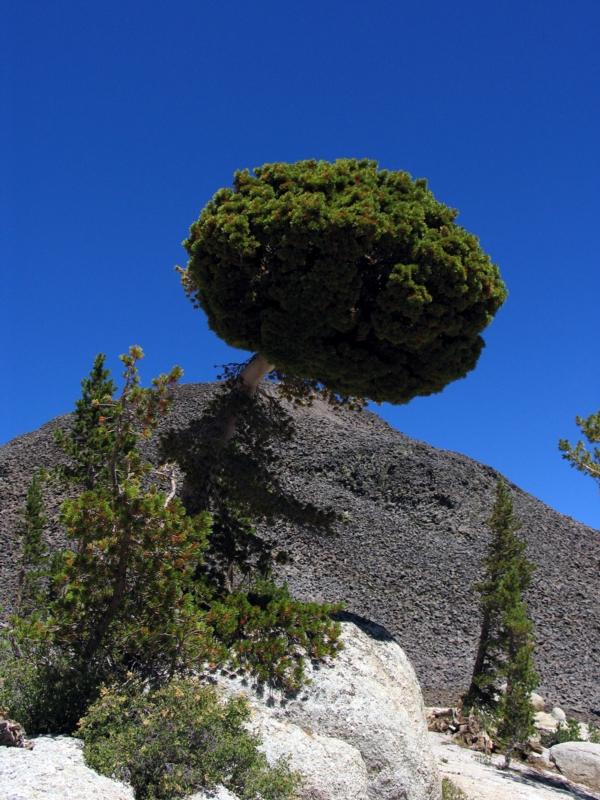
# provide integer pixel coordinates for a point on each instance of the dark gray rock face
(410, 549)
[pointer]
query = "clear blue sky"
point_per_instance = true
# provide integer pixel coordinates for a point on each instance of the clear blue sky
(124, 117)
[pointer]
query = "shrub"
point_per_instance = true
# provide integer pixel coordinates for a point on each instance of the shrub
(40, 689)
(569, 732)
(178, 739)
(269, 633)
(566, 732)
(450, 791)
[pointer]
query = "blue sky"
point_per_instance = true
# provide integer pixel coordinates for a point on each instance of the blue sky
(124, 118)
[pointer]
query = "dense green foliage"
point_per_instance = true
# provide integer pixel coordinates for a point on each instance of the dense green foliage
(38, 687)
(585, 456)
(270, 634)
(131, 593)
(505, 627)
(568, 731)
(173, 741)
(345, 275)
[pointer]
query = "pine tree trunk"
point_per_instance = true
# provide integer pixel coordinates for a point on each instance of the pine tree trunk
(119, 588)
(250, 378)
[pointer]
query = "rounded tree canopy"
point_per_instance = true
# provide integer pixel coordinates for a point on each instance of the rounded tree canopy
(344, 274)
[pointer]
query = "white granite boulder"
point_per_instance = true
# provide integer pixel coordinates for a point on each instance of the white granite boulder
(54, 769)
(537, 701)
(545, 722)
(579, 762)
(219, 793)
(331, 768)
(365, 706)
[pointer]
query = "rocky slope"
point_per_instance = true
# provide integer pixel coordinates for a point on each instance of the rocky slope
(409, 551)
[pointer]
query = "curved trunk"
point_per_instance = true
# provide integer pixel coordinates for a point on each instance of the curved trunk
(250, 377)
(254, 371)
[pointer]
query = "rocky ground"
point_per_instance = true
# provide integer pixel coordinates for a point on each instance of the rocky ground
(55, 770)
(410, 549)
(480, 777)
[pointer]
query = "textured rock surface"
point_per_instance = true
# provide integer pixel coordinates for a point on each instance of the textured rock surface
(54, 770)
(220, 793)
(578, 761)
(410, 552)
(481, 779)
(545, 722)
(366, 705)
(332, 769)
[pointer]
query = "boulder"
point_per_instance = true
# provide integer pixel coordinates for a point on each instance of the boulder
(219, 793)
(331, 768)
(12, 734)
(558, 714)
(579, 762)
(537, 701)
(364, 708)
(544, 722)
(54, 769)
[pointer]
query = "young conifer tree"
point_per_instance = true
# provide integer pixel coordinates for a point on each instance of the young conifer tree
(123, 596)
(505, 628)
(125, 588)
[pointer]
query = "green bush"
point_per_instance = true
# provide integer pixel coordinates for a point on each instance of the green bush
(270, 634)
(451, 792)
(170, 742)
(565, 732)
(41, 690)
